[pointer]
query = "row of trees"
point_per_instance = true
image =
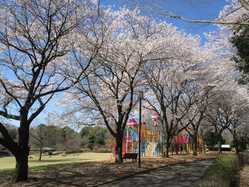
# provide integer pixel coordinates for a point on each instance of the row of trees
(48, 138)
(66, 139)
(103, 59)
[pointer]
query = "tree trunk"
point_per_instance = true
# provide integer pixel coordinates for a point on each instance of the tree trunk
(167, 144)
(167, 151)
(22, 152)
(195, 144)
(21, 167)
(162, 149)
(163, 146)
(236, 149)
(236, 144)
(40, 153)
(119, 157)
(219, 146)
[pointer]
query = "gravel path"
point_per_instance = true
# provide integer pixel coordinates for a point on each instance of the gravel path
(180, 175)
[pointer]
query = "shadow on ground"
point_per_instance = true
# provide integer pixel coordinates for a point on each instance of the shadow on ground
(154, 172)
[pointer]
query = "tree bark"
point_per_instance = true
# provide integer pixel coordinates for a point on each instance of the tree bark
(21, 166)
(167, 151)
(119, 143)
(219, 146)
(236, 149)
(236, 145)
(22, 152)
(167, 143)
(195, 142)
(40, 153)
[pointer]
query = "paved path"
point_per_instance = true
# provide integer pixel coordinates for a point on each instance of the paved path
(180, 175)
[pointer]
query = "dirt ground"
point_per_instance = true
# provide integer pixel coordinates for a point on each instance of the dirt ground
(244, 172)
(94, 174)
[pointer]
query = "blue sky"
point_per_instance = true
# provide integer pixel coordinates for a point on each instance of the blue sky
(194, 9)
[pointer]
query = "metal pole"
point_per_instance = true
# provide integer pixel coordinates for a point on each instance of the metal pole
(140, 124)
(127, 137)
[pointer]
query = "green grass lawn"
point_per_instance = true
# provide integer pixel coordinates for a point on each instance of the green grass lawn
(7, 163)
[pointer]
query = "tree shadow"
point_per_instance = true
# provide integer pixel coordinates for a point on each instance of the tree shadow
(72, 175)
(64, 177)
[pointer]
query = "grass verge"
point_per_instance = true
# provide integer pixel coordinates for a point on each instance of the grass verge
(223, 173)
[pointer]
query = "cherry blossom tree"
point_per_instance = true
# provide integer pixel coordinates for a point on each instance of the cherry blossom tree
(194, 120)
(228, 92)
(227, 109)
(171, 83)
(128, 41)
(219, 114)
(237, 10)
(239, 116)
(36, 43)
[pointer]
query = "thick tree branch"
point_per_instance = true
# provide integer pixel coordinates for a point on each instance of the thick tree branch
(9, 116)
(245, 4)
(7, 140)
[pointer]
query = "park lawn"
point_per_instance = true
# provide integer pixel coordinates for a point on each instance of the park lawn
(8, 163)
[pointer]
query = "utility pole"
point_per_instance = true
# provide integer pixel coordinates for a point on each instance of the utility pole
(140, 125)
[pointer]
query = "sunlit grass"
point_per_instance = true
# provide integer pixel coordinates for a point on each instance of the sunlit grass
(7, 163)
